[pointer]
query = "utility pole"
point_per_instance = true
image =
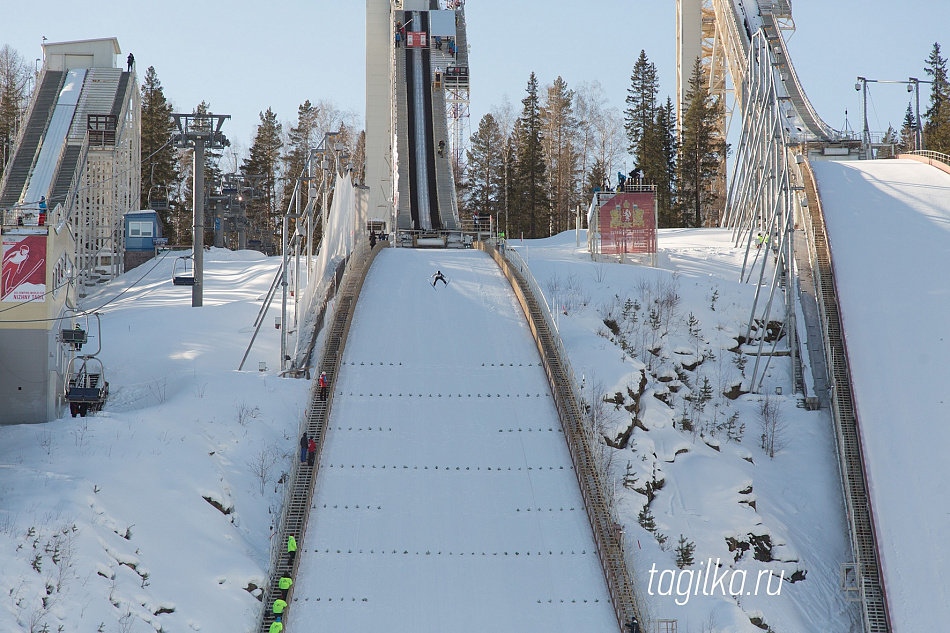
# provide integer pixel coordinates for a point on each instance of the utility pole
(199, 131)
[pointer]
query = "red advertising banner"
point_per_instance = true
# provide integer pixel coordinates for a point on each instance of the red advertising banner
(628, 223)
(24, 268)
(416, 39)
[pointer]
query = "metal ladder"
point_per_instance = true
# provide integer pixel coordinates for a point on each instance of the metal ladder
(297, 502)
(854, 481)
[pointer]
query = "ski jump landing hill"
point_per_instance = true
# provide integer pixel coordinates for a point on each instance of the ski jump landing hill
(447, 498)
(888, 227)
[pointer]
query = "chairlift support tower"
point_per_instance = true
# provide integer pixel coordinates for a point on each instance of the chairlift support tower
(199, 131)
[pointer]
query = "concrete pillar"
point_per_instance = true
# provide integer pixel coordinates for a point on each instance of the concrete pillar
(379, 132)
(689, 46)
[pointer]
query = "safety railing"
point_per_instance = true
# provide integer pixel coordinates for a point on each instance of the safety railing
(869, 582)
(581, 438)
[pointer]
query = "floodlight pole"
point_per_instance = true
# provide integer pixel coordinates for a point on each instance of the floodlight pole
(195, 130)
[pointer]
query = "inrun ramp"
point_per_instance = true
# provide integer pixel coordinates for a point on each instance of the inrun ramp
(446, 499)
(888, 223)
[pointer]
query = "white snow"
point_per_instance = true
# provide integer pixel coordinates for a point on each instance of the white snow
(126, 488)
(446, 498)
(889, 226)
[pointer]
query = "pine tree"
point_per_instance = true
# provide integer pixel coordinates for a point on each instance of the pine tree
(263, 160)
(684, 552)
(937, 127)
(486, 169)
(159, 155)
(530, 200)
(640, 115)
(908, 134)
(702, 153)
(14, 97)
(561, 155)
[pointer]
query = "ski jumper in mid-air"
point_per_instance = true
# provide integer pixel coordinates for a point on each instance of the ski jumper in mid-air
(438, 276)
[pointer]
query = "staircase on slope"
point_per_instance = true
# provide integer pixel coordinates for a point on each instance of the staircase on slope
(18, 171)
(860, 516)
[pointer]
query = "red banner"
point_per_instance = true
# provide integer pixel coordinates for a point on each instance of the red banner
(24, 268)
(416, 39)
(628, 223)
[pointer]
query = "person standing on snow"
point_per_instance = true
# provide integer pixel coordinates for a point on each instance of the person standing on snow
(438, 276)
(324, 386)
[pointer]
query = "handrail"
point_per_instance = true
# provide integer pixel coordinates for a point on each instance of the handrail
(938, 160)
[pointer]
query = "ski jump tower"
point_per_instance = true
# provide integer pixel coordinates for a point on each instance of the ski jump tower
(409, 87)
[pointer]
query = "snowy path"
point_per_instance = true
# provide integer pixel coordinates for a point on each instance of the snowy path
(446, 499)
(889, 226)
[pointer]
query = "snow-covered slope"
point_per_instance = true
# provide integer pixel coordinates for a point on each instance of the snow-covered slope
(149, 515)
(889, 227)
(446, 498)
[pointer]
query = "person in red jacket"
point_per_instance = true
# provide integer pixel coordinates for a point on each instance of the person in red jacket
(324, 386)
(311, 451)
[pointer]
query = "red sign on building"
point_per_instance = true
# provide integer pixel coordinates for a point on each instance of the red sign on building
(24, 268)
(416, 39)
(627, 223)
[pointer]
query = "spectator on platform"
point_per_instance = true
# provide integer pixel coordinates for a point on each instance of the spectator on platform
(131, 61)
(43, 210)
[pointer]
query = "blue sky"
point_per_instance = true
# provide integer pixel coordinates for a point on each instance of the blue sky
(251, 56)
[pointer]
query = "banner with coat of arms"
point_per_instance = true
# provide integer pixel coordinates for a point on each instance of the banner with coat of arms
(627, 223)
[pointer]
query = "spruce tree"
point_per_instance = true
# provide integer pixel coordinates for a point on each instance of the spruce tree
(530, 201)
(937, 127)
(908, 134)
(486, 170)
(263, 160)
(702, 153)
(300, 140)
(159, 155)
(684, 552)
(640, 115)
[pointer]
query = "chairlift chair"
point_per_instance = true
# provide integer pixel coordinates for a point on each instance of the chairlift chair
(158, 198)
(183, 272)
(86, 387)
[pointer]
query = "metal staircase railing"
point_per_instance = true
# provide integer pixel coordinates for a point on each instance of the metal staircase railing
(869, 583)
(300, 482)
(580, 438)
